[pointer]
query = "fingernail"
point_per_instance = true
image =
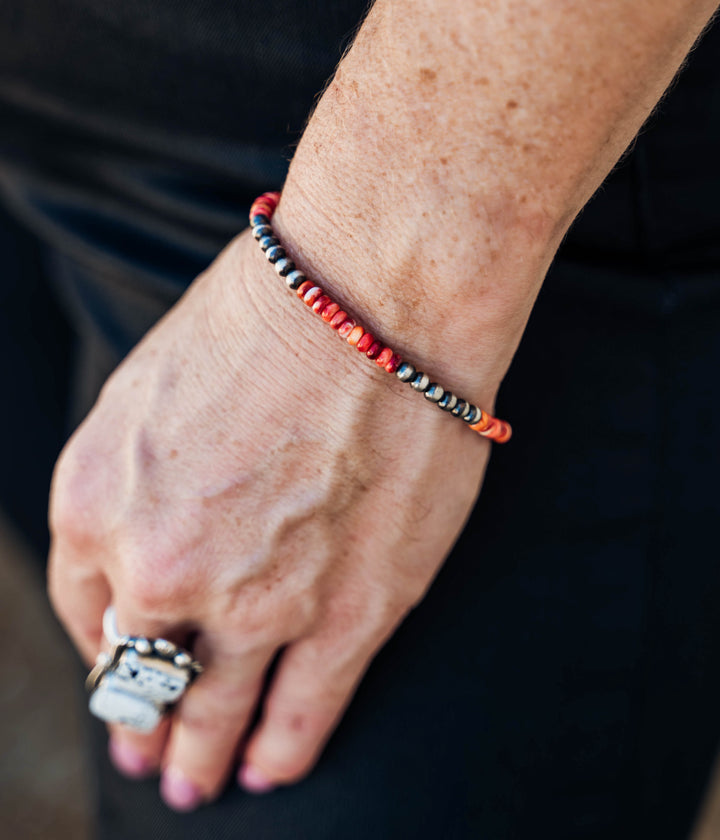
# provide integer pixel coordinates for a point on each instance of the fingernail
(178, 791)
(254, 780)
(128, 761)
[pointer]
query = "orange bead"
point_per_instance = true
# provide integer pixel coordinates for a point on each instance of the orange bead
(312, 295)
(355, 335)
(482, 423)
(320, 303)
(304, 288)
(346, 328)
(329, 312)
(491, 429)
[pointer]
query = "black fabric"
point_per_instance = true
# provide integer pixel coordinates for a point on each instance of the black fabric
(561, 678)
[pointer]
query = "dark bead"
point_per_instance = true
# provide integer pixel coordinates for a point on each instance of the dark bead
(434, 392)
(405, 372)
(262, 230)
(284, 266)
(295, 279)
(448, 402)
(259, 219)
(421, 382)
(274, 253)
(268, 241)
(473, 415)
(460, 409)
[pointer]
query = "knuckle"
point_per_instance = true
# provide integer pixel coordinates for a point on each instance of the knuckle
(210, 721)
(361, 619)
(74, 500)
(155, 576)
(230, 697)
(151, 594)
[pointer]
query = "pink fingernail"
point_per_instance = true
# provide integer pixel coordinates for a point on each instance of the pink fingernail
(179, 792)
(129, 761)
(254, 780)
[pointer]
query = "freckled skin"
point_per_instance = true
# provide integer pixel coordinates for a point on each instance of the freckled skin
(490, 103)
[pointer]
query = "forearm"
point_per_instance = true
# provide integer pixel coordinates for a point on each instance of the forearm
(452, 150)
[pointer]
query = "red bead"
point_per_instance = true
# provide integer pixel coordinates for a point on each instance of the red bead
(394, 363)
(356, 334)
(304, 288)
(338, 319)
(365, 343)
(505, 432)
(384, 357)
(269, 201)
(321, 303)
(329, 312)
(346, 328)
(312, 295)
(261, 207)
(374, 350)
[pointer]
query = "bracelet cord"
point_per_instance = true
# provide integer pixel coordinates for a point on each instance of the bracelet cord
(261, 213)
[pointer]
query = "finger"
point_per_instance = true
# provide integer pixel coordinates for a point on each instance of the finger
(138, 754)
(79, 594)
(306, 700)
(209, 723)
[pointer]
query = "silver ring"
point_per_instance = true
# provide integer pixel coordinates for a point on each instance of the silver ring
(140, 679)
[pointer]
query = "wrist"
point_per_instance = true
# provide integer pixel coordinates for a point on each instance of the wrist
(452, 297)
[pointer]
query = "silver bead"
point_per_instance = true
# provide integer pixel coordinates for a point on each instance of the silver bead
(165, 648)
(262, 230)
(434, 393)
(461, 410)
(143, 647)
(405, 372)
(421, 382)
(182, 659)
(268, 241)
(295, 279)
(473, 415)
(284, 266)
(448, 402)
(274, 252)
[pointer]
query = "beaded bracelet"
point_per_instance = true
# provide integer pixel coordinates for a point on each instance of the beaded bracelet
(356, 335)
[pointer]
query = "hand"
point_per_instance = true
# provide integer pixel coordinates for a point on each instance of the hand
(249, 484)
